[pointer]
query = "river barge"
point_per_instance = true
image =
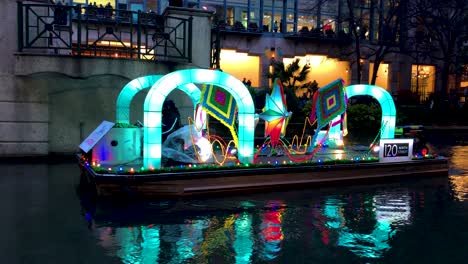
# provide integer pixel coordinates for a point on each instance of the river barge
(161, 158)
(236, 179)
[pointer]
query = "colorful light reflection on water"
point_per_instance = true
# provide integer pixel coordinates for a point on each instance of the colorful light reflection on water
(361, 224)
(365, 228)
(459, 172)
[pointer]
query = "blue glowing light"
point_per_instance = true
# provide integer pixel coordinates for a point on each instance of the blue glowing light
(164, 86)
(129, 91)
(386, 104)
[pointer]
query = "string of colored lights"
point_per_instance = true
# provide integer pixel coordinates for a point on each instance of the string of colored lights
(213, 139)
(311, 154)
(132, 171)
(309, 138)
(290, 155)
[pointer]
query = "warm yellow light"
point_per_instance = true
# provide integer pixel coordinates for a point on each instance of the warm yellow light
(114, 43)
(241, 65)
(382, 75)
(231, 54)
(322, 69)
(315, 60)
(426, 73)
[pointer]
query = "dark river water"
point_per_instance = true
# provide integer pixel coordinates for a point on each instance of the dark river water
(45, 218)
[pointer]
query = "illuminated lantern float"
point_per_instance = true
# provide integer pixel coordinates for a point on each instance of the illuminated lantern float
(228, 100)
(119, 145)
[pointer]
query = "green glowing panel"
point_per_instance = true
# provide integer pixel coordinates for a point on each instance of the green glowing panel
(335, 133)
(132, 88)
(246, 136)
(128, 92)
(386, 103)
(164, 86)
(233, 85)
(202, 76)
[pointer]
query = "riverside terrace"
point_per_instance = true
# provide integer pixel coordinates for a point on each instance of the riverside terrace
(106, 32)
(87, 31)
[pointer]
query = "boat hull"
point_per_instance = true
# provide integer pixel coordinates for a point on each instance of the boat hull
(235, 180)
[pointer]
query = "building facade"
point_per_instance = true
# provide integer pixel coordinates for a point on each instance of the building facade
(63, 67)
(321, 32)
(64, 64)
(327, 35)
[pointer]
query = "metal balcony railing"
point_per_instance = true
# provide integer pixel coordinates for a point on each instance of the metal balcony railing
(90, 31)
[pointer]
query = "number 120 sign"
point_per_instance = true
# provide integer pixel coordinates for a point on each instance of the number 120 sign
(396, 149)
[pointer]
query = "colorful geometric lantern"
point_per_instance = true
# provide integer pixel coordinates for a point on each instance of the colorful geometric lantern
(275, 113)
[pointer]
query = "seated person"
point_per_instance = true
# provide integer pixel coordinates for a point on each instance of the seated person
(420, 144)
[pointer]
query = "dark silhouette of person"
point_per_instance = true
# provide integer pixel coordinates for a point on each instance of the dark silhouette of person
(100, 11)
(170, 118)
(108, 11)
(60, 14)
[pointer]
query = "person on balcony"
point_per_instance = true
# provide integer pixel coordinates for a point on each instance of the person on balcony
(91, 11)
(108, 10)
(60, 13)
(101, 11)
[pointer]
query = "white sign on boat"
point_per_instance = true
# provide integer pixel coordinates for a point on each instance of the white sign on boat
(97, 134)
(393, 150)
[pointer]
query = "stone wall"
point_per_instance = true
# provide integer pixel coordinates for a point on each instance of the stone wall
(49, 103)
(23, 109)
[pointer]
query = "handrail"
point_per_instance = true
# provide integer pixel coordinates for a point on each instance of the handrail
(89, 31)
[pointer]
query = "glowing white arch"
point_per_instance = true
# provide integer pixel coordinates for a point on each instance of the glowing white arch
(145, 82)
(386, 104)
(163, 87)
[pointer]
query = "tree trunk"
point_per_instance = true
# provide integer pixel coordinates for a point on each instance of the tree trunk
(358, 61)
(357, 43)
(379, 57)
(374, 71)
(444, 78)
